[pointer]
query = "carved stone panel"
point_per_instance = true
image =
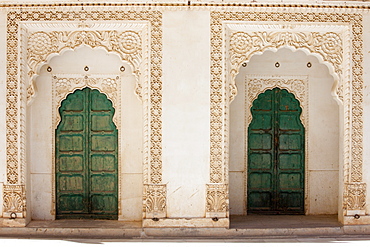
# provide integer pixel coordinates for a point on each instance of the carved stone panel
(217, 200)
(14, 201)
(154, 201)
(355, 198)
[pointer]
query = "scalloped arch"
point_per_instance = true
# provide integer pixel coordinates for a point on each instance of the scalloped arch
(318, 56)
(63, 87)
(323, 42)
(112, 41)
(296, 85)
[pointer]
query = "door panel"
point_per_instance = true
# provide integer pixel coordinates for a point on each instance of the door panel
(73, 122)
(290, 142)
(73, 203)
(86, 157)
(71, 163)
(276, 155)
(260, 161)
(261, 141)
(102, 142)
(103, 162)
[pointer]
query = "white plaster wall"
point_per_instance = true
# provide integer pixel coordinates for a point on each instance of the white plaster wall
(131, 149)
(41, 131)
(366, 112)
(237, 154)
(2, 105)
(323, 141)
(186, 56)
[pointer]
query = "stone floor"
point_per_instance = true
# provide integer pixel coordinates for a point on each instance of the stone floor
(236, 222)
(283, 221)
(241, 227)
(283, 242)
(105, 224)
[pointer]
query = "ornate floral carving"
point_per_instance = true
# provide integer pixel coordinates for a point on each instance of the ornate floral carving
(129, 42)
(14, 200)
(154, 201)
(244, 45)
(241, 42)
(42, 44)
(217, 200)
(355, 196)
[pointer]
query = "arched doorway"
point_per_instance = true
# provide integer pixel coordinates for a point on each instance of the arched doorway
(86, 157)
(276, 155)
(312, 86)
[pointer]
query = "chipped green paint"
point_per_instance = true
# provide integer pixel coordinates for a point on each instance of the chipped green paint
(276, 155)
(86, 157)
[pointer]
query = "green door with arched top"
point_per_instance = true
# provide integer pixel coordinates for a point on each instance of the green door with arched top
(86, 157)
(276, 139)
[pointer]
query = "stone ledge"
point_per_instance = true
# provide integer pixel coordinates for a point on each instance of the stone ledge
(352, 221)
(173, 233)
(5, 222)
(186, 223)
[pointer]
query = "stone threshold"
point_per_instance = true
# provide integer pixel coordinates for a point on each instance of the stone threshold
(173, 233)
(243, 227)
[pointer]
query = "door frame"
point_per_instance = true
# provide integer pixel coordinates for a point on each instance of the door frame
(110, 85)
(259, 84)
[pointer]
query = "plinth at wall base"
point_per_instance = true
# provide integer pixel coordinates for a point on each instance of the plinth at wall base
(187, 223)
(19, 222)
(351, 220)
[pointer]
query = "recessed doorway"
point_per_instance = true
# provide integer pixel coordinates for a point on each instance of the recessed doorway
(86, 157)
(276, 155)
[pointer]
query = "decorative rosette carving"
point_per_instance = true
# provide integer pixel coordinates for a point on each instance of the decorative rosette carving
(129, 42)
(40, 43)
(240, 42)
(330, 43)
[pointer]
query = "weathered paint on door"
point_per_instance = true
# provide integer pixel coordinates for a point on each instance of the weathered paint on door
(276, 155)
(86, 157)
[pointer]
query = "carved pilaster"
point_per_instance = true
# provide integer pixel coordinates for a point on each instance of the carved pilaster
(355, 198)
(155, 201)
(14, 201)
(217, 200)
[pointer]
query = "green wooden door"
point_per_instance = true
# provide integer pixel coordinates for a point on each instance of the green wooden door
(276, 155)
(86, 157)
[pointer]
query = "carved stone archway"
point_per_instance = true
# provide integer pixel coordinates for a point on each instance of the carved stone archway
(334, 38)
(35, 36)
